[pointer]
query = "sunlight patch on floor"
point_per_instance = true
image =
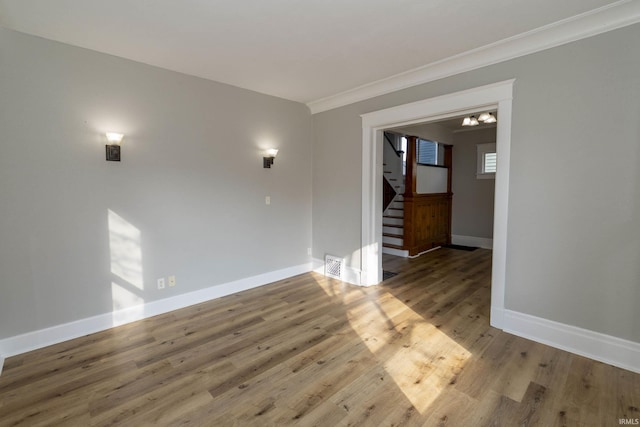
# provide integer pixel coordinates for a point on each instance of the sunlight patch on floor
(421, 359)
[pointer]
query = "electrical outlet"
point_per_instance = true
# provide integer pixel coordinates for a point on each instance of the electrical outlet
(267, 200)
(172, 281)
(308, 251)
(161, 283)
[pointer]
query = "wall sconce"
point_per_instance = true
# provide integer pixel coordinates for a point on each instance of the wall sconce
(113, 148)
(269, 156)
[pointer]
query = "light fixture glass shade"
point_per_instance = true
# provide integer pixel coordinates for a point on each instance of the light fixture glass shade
(114, 137)
(466, 121)
(484, 117)
(271, 152)
(473, 121)
(491, 119)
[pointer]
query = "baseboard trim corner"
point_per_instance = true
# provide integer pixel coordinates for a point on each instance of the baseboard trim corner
(317, 266)
(497, 317)
(604, 348)
(34, 340)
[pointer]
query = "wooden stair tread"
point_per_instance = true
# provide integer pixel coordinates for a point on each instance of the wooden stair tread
(397, 236)
(392, 225)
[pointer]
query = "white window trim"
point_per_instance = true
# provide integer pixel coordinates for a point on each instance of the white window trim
(482, 149)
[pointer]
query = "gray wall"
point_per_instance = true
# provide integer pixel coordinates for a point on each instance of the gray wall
(190, 188)
(573, 249)
(472, 213)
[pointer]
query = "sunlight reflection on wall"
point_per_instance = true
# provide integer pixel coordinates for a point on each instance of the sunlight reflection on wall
(126, 266)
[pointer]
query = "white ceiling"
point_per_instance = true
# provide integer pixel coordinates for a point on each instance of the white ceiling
(302, 50)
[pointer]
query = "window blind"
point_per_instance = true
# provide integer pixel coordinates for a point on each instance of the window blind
(490, 164)
(427, 152)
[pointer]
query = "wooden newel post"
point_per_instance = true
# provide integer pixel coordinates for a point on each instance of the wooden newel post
(448, 162)
(409, 193)
(410, 178)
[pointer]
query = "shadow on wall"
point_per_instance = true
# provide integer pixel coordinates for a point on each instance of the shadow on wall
(127, 286)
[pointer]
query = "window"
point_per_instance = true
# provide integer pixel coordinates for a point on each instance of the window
(403, 149)
(489, 165)
(427, 152)
(487, 161)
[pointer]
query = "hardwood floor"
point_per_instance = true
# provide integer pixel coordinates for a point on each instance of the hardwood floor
(417, 350)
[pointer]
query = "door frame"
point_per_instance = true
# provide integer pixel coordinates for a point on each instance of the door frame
(493, 96)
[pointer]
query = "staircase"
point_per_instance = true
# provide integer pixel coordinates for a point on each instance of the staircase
(393, 218)
(392, 225)
(428, 213)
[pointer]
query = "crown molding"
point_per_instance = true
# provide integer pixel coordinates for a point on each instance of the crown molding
(597, 21)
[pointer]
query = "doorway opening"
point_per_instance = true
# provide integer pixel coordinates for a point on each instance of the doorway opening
(453, 195)
(496, 97)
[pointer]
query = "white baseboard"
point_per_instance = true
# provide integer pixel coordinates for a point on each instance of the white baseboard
(481, 242)
(56, 334)
(425, 252)
(396, 252)
(351, 275)
(1, 364)
(594, 345)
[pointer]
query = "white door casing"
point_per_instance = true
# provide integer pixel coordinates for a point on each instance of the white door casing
(499, 96)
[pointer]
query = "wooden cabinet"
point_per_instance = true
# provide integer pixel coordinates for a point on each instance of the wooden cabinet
(427, 221)
(427, 217)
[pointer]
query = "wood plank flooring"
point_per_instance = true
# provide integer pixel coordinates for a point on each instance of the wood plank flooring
(416, 351)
